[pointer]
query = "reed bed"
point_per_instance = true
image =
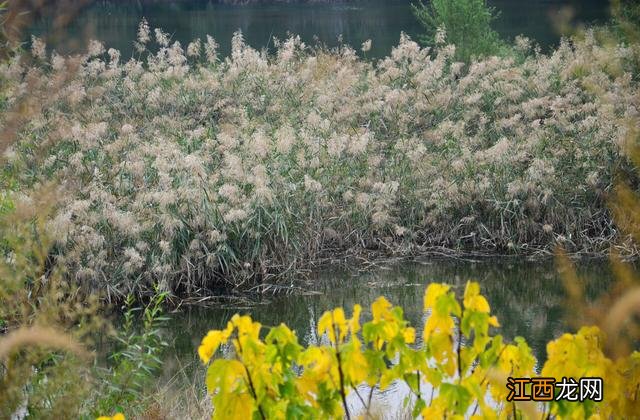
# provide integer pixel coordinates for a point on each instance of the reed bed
(207, 174)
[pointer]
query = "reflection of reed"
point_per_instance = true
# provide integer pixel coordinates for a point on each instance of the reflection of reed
(526, 297)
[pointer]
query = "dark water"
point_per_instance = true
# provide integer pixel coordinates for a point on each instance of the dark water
(115, 22)
(527, 297)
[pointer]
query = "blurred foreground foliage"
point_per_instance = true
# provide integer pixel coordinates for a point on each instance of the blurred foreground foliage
(43, 366)
(48, 328)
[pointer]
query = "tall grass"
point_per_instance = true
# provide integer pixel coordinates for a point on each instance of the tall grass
(205, 174)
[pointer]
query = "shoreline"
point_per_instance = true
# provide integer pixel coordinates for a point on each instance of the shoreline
(365, 262)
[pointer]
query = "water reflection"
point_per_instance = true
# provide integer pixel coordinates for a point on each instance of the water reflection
(526, 296)
(115, 22)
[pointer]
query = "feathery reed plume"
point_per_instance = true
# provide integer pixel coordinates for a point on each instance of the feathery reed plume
(36, 336)
(16, 16)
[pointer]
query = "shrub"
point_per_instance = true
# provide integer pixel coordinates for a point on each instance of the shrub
(463, 23)
(455, 366)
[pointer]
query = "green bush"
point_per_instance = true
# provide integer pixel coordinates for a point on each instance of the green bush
(466, 24)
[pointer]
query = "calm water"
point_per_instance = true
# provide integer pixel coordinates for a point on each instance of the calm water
(527, 297)
(115, 22)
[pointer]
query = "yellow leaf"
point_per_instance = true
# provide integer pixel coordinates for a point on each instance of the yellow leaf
(389, 330)
(340, 322)
(210, 344)
(474, 300)
(433, 412)
(226, 377)
(235, 407)
(440, 323)
(308, 388)
(433, 292)
(409, 335)
(246, 326)
(325, 325)
(380, 309)
(441, 346)
(387, 377)
(354, 323)
(355, 364)
(318, 360)
(478, 303)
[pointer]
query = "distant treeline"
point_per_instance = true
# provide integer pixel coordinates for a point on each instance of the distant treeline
(230, 2)
(270, 1)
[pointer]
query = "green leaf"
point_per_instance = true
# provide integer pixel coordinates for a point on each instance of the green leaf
(456, 396)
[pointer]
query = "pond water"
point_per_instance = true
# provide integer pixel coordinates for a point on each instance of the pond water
(526, 296)
(355, 21)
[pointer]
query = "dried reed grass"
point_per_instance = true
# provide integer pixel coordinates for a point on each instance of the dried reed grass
(44, 337)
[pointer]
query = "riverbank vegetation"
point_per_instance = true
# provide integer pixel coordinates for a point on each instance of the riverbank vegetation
(180, 172)
(204, 174)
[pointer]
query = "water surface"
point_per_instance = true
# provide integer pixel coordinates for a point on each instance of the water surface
(526, 296)
(353, 22)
